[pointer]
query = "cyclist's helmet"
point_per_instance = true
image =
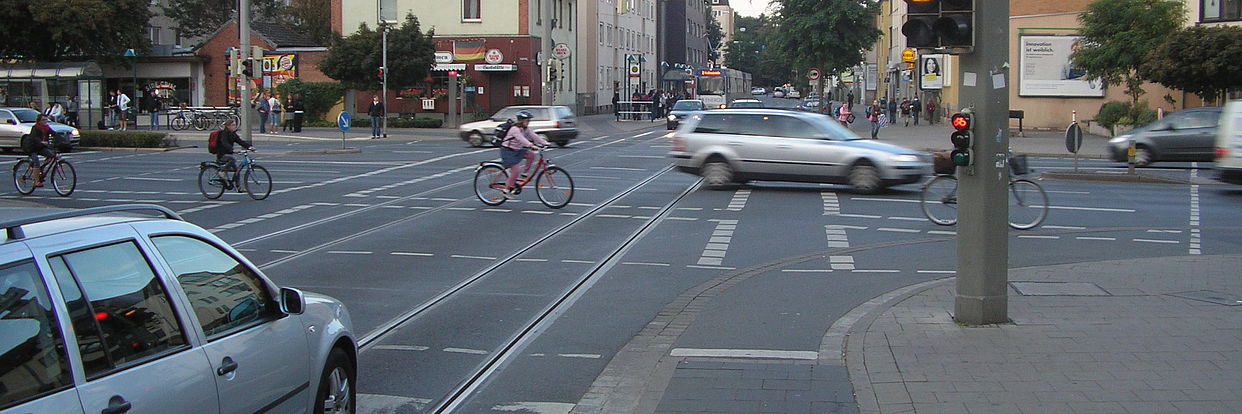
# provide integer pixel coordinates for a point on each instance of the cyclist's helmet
(524, 115)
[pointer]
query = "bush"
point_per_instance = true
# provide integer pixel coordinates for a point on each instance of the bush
(1112, 112)
(317, 97)
(127, 139)
(361, 122)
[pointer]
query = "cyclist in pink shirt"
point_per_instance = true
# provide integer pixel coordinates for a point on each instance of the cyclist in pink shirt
(518, 145)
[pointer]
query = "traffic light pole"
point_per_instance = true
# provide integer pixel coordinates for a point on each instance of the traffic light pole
(546, 96)
(982, 227)
(243, 98)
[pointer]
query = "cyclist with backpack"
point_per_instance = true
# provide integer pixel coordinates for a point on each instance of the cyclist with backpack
(516, 146)
(36, 144)
(220, 143)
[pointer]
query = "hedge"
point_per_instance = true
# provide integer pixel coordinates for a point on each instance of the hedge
(127, 139)
(392, 123)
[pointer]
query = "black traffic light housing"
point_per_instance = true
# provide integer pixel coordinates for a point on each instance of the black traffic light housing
(962, 138)
(379, 74)
(246, 68)
(947, 24)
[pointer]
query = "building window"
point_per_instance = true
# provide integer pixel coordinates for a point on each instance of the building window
(469, 11)
(1220, 10)
(153, 34)
(177, 37)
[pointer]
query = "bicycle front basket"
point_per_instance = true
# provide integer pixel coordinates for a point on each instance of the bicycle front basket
(1017, 165)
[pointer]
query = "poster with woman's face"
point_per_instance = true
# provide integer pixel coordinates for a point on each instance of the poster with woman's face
(931, 74)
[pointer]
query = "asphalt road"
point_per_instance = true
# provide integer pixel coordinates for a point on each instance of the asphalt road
(522, 307)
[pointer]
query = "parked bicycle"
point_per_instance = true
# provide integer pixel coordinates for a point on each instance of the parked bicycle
(553, 185)
(250, 178)
(55, 169)
(1028, 202)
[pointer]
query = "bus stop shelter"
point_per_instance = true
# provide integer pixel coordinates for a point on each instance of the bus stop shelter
(34, 85)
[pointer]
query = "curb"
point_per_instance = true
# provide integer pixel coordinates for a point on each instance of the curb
(129, 149)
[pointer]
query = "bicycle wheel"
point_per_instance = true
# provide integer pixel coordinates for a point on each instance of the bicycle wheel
(489, 183)
(939, 200)
(234, 117)
(64, 178)
(554, 187)
(1028, 204)
(257, 182)
(180, 123)
(23, 177)
(200, 122)
(209, 182)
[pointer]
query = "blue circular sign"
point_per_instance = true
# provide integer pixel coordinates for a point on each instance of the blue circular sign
(343, 120)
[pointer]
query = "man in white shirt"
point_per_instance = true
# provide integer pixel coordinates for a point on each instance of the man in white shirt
(122, 106)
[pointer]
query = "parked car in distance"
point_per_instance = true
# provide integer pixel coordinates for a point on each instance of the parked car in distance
(16, 123)
(793, 94)
(680, 110)
(736, 145)
(810, 104)
(1188, 135)
(1229, 144)
(109, 309)
(758, 90)
(746, 103)
(778, 93)
(557, 124)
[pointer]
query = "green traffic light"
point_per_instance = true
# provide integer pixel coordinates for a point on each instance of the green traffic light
(960, 158)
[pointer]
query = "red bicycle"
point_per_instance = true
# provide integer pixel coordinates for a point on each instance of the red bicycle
(553, 184)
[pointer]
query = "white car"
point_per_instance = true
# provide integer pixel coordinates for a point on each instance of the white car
(16, 123)
(758, 91)
(557, 124)
(793, 94)
(1229, 144)
(779, 93)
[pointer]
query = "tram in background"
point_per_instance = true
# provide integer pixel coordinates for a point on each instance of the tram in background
(719, 86)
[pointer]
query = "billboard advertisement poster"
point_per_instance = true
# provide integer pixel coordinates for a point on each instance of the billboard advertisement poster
(931, 72)
(1046, 69)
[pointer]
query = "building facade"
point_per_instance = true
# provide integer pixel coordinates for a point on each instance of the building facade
(494, 45)
(624, 59)
(681, 40)
(725, 17)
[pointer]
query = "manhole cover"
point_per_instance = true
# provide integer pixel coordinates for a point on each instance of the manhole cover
(1058, 289)
(1220, 298)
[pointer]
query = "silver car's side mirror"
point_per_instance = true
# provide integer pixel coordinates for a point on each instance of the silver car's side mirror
(292, 301)
(11, 122)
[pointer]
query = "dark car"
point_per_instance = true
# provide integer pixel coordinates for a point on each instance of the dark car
(1189, 135)
(681, 109)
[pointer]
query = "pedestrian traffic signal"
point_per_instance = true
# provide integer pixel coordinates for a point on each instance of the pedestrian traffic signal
(962, 138)
(379, 74)
(232, 65)
(940, 23)
(553, 69)
(247, 66)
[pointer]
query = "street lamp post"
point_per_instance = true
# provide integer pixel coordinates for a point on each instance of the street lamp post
(134, 68)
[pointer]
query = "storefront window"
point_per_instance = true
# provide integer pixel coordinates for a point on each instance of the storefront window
(1221, 10)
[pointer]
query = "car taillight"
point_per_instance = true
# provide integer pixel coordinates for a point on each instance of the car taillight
(558, 124)
(1222, 153)
(679, 145)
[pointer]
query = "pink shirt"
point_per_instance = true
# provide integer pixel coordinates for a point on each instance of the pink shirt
(519, 138)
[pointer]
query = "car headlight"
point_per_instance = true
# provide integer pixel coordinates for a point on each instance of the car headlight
(672, 117)
(904, 158)
(75, 132)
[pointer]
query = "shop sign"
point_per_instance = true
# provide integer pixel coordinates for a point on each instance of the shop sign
(495, 68)
(440, 67)
(561, 51)
(444, 57)
(429, 104)
(493, 56)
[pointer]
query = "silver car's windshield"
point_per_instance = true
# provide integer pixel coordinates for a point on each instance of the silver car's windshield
(25, 115)
(833, 128)
(687, 106)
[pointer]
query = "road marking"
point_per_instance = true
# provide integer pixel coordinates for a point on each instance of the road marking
(859, 215)
(644, 264)
(1163, 231)
(832, 205)
(938, 272)
(681, 218)
(1038, 237)
(618, 168)
(739, 200)
(535, 407)
(1096, 238)
(875, 271)
(714, 253)
(744, 353)
(1195, 238)
(807, 270)
(908, 218)
(836, 236)
(898, 230)
(462, 256)
(538, 212)
(712, 267)
(641, 156)
(612, 215)
(1064, 227)
(1115, 210)
(841, 262)
(466, 351)
(532, 260)
(576, 261)
(347, 252)
(402, 347)
(645, 134)
(412, 254)
(1158, 241)
(283, 251)
(894, 200)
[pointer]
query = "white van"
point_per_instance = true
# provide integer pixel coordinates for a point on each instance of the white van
(1229, 144)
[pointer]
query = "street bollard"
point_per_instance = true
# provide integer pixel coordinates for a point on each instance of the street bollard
(1130, 153)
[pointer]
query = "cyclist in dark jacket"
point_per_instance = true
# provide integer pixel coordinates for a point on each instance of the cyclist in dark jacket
(224, 145)
(36, 144)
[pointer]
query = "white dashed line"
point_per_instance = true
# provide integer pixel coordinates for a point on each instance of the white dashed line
(347, 252)
(411, 254)
(1096, 238)
(938, 272)
(875, 271)
(890, 229)
(1157, 241)
(739, 200)
(644, 264)
(466, 351)
(402, 348)
(576, 261)
(462, 256)
(1039, 237)
(807, 270)
(714, 253)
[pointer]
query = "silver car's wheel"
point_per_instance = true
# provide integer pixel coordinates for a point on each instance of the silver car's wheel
(1143, 157)
(336, 387)
(717, 174)
(475, 139)
(865, 179)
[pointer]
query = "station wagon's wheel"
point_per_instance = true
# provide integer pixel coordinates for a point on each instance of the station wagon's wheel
(864, 179)
(1143, 156)
(475, 139)
(717, 174)
(562, 143)
(336, 387)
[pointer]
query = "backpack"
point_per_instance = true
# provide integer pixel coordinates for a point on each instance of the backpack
(213, 142)
(502, 130)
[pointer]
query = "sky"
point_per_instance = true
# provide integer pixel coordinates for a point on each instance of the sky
(751, 8)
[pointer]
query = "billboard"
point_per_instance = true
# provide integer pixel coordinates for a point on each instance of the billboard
(1046, 70)
(931, 72)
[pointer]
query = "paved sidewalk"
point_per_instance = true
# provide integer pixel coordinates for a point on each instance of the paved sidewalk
(1159, 335)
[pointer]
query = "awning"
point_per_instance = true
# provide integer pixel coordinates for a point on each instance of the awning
(676, 75)
(441, 67)
(60, 70)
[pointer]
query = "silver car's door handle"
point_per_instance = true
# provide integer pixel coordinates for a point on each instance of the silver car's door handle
(736, 144)
(784, 146)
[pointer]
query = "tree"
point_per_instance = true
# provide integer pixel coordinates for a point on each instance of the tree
(750, 52)
(355, 60)
(311, 18)
(829, 34)
(1202, 60)
(1118, 34)
(202, 17)
(73, 29)
(715, 35)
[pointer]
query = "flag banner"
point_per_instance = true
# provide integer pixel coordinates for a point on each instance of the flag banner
(468, 51)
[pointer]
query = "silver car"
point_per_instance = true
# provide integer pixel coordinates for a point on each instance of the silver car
(1188, 135)
(735, 145)
(557, 124)
(109, 310)
(16, 123)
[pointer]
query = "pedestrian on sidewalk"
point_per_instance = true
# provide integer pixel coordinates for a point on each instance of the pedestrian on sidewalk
(616, 105)
(287, 123)
(916, 106)
(299, 110)
(656, 104)
(931, 112)
(72, 110)
(376, 110)
(849, 100)
(122, 108)
(277, 111)
(110, 119)
(873, 115)
(153, 107)
(265, 110)
(905, 111)
(892, 110)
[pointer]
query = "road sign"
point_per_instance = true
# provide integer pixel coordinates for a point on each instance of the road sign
(908, 55)
(561, 51)
(343, 120)
(813, 74)
(1073, 138)
(493, 56)
(634, 70)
